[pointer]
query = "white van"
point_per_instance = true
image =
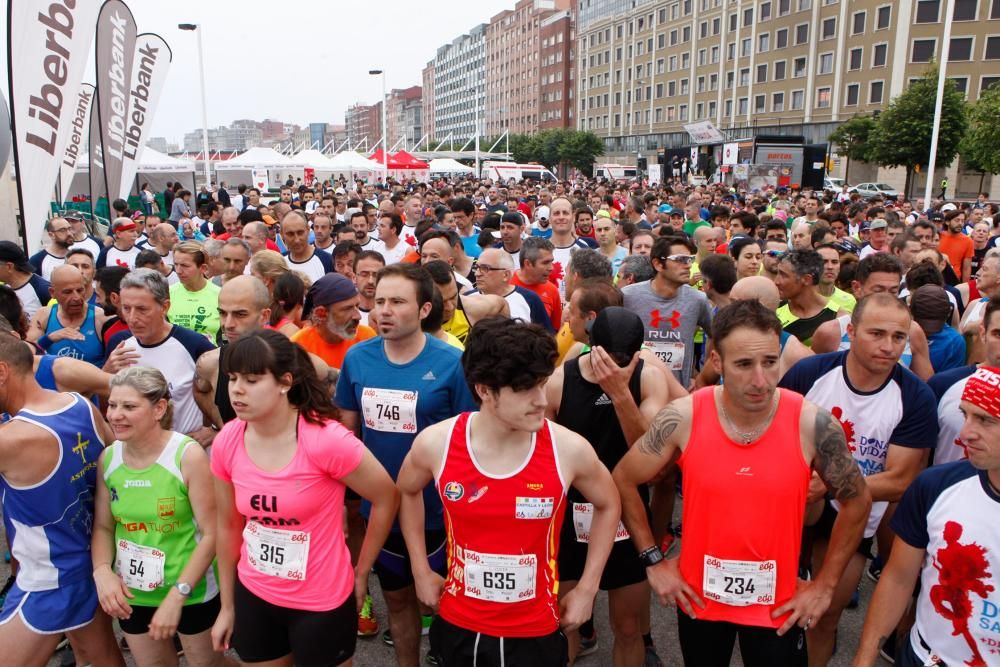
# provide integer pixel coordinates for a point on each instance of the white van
(505, 171)
(616, 172)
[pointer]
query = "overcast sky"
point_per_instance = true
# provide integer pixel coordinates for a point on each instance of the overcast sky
(298, 61)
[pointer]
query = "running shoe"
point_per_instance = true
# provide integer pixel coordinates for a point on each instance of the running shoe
(387, 638)
(367, 623)
(875, 569)
(588, 645)
(888, 650)
(652, 659)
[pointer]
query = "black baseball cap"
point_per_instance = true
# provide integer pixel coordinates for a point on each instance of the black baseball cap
(13, 253)
(619, 331)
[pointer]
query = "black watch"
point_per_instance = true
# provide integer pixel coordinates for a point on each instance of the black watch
(651, 556)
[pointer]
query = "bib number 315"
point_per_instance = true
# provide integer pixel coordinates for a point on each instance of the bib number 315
(277, 553)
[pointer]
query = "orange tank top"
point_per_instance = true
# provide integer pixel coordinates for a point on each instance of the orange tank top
(743, 513)
(503, 539)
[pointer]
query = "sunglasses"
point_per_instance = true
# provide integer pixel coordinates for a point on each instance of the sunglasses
(680, 259)
(775, 254)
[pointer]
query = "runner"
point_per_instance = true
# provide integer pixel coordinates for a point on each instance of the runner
(32, 290)
(946, 528)
(70, 327)
(194, 300)
(564, 241)
(366, 267)
(502, 474)
(331, 308)
(123, 251)
(302, 256)
(609, 396)
(889, 417)
(154, 527)
(494, 273)
(288, 590)
(805, 308)
(48, 473)
(671, 310)
(391, 388)
(746, 450)
(54, 252)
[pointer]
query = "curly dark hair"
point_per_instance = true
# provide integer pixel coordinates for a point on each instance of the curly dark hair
(748, 313)
(501, 352)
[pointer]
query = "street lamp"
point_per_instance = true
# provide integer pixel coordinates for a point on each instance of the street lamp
(385, 128)
(204, 101)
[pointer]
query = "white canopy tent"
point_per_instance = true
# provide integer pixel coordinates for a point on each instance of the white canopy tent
(240, 168)
(449, 166)
(350, 164)
(155, 168)
(311, 158)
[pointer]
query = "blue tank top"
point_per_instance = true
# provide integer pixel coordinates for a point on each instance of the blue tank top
(45, 375)
(49, 524)
(91, 349)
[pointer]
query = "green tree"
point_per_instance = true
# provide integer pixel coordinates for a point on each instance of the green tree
(981, 145)
(580, 149)
(853, 140)
(902, 137)
(522, 147)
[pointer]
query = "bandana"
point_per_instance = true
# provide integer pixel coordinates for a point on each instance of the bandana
(983, 390)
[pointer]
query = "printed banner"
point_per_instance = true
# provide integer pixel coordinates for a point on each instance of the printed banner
(96, 176)
(116, 35)
(259, 178)
(77, 138)
(48, 42)
(149, 71)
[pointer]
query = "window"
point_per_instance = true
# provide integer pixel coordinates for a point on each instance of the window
(778, 102)
(731, 51)
(961, 84)
(928, 11)
(781, 38)
(699, 111)
(686, 34)
(784, 7)
(683, 112)
(684, 87)
(883, 18)
(730, 78)
(713, 82)
(823, 98)
(673, 37)
(992, 48)
(703, 29)
(733, 18)
(804, 5)
(671, 88)
(715, 55)
(685, 60)
(853, 92)
(745, 47)
(661, 41)
(716, 25)
(799, 67)
(798, 99)
(701, 84)
(987, 82)
(858, 26)
(741, 106)
(729, 107)
(825, 63)
(779, 70)
(829, 28)
(763, 42)
(760, 104)
(923, 50)
(745, 76)
(761, 73)
(879, 55)
(802, 33)
(765, 11)
(995, 10)
(702, 56)
(748, 17)
(659, 90)
(855, 58)
(672, 64)
(965, 10)
(875, 96)
(960, 48)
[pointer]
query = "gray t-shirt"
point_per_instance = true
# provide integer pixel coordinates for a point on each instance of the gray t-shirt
(671, 323)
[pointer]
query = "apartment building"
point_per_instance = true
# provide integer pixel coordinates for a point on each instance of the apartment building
(513, 67)
(797, 67)
(459, 80)
(404, 116)
(427, 100)
(557, 71)
(364, 121)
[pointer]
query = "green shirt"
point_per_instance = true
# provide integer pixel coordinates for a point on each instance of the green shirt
(691, 225)
(842, 300)
(197, 311)
(154, 524)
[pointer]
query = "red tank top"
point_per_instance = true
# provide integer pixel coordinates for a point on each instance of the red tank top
(974, 294)
(503, 539)
(743, 512)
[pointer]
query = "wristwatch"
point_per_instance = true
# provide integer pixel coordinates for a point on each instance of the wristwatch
(183, 589)
(651, 556)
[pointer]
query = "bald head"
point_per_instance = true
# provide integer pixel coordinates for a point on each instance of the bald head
(244, 305)
(757, 287)
(65, 274)
(497, 257)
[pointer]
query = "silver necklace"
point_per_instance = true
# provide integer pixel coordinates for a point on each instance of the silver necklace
(749, 436)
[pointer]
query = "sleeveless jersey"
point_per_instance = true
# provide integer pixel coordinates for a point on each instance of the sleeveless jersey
(222, 401)
(155, 528)
(45, 374)
(743, 511)
(845, 342)
(91, 349)
(503, 538)
(49, 524)
(974, 294)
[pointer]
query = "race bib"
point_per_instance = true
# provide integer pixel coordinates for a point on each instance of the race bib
(140, 567)
(583, 514)
(671, 354)
(390, 410)
(527, 507)
(740, 583)
(277, 553)
(500, 577)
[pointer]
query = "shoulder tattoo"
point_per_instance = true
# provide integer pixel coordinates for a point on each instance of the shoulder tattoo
(661, 428)
(833, 461)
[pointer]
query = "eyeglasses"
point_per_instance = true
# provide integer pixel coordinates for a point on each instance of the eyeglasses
(680, 259)
(775, 254)
(485, 268)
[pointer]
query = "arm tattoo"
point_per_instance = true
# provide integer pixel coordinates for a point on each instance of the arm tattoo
(833, 461)
(661, 428)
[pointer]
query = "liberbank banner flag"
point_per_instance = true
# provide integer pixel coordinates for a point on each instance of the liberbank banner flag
(48, 42)
(96, 176)
(116, 36)
(149, 71)
(77, 138)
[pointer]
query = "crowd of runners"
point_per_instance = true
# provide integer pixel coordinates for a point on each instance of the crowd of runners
(221, 422)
